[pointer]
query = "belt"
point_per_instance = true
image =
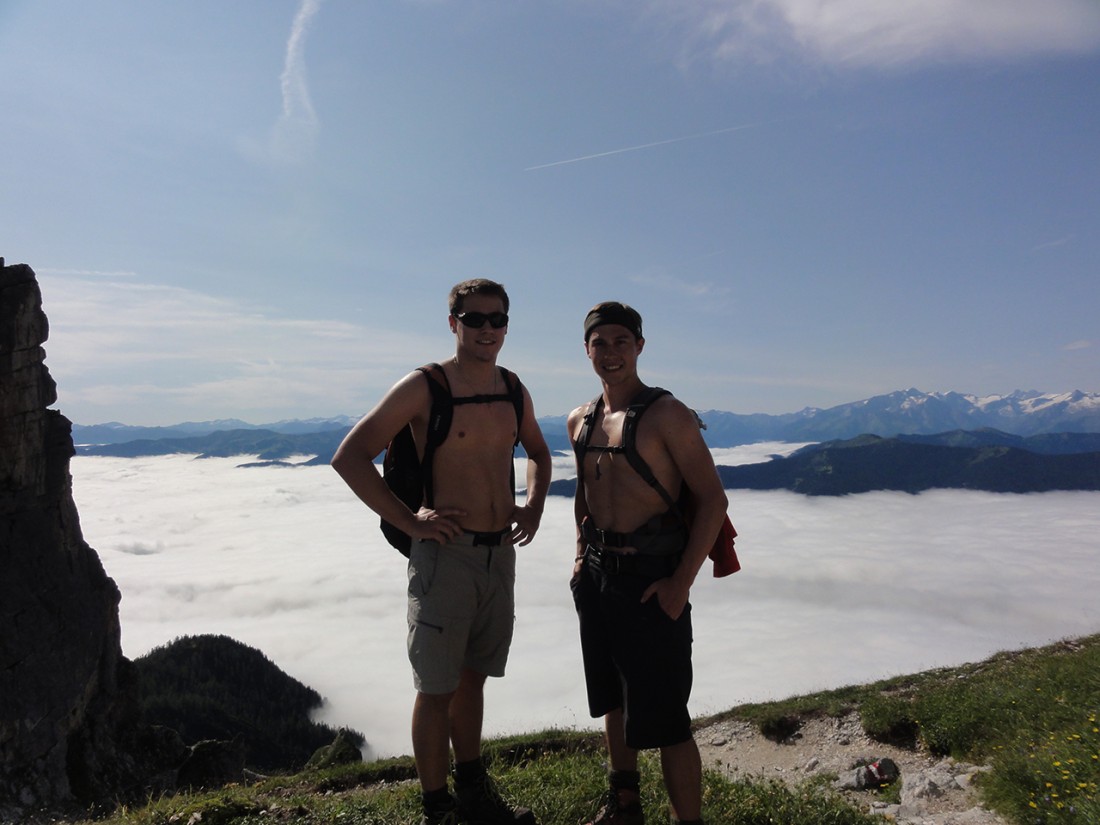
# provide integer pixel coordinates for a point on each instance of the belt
(493, 539)
(607, 538)
(652, 543)
(631, 564)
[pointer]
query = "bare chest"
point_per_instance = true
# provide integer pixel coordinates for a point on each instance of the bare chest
(472, 469)
(484, 428)
(616, 495)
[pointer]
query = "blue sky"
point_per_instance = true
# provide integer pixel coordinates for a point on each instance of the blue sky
(255, 209)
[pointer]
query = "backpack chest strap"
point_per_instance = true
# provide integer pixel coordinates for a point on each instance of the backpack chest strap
(443, 404)
(627, 445)
(481, 399)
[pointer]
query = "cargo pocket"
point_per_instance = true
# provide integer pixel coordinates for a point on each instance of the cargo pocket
(423, 559)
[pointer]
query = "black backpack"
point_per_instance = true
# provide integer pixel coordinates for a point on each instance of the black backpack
(410, 477)
(722, 553)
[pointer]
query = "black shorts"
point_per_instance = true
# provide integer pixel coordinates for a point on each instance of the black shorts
(635, 657)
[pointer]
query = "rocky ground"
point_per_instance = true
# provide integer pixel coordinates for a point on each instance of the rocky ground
(934, 791)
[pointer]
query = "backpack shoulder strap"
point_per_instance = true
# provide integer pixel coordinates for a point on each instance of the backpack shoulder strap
(515, 393)
(634, 412)
(580, 446)
(439, 421)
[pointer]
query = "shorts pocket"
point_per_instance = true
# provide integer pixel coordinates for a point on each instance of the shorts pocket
(423, 560)
(577, 581)
(657, 613)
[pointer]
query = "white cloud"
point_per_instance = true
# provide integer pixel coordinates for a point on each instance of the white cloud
(1076, 345)
(198, 356)
(833, 591)
(873, 33)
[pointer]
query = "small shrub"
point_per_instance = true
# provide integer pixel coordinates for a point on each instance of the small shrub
(887, 718)
(953, 720)
(779, 728)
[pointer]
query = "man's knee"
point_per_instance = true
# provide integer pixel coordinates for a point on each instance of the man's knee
(686, 752)
(434, 701)
(470, 679)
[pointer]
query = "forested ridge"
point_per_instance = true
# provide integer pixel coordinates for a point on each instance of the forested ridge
(214, 687)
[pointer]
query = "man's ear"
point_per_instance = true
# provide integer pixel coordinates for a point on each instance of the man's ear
(452, 322)
(641, 344)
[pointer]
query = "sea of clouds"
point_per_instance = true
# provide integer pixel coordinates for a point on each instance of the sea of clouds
(833, 591)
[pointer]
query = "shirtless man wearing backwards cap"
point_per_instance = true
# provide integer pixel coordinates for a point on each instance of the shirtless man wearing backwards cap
(634, 567)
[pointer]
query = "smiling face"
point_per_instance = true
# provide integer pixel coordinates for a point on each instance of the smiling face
(484, 342)
(613, 351)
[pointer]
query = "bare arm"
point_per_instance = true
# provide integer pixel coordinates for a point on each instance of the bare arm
(528, 517)
(680, 432)
(409, 400)
(580, 506)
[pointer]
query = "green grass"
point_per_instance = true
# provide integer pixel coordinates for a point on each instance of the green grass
(1033, 716)
(563, 788)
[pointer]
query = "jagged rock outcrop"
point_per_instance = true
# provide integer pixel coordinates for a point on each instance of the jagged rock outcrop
(344, 750)
(68, 702)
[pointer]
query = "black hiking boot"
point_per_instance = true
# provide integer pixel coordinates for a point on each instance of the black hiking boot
(480, 803)
(615, 811)
(445, 815)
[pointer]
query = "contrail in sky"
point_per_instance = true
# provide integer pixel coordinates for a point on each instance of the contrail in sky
(1052, 244)
(297, 125)
(293, 80)
(643, 146)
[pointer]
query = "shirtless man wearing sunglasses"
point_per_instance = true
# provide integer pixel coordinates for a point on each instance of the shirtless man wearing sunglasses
(462, 561)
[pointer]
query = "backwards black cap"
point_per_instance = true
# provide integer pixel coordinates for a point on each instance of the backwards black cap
(612, 312)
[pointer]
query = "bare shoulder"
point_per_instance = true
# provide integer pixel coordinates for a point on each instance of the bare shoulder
(677, 427)
(668, 411)
(411, 393)
(574, 419)
(578, 413)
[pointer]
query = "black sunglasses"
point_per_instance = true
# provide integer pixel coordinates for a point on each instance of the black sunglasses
(476, 320)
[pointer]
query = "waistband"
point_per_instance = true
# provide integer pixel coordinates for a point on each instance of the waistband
(471, 538)
(631, 564)
(475, 539)
(655, 543)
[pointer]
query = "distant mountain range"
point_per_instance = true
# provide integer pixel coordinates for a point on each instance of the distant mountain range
(267, 445)
(908, 440)
(980, 460)
(974, 460)
(115, 433)
(914, 412)
(870, 462)
(903, 412)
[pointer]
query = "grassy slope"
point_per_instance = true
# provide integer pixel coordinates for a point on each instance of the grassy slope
(1032, 715)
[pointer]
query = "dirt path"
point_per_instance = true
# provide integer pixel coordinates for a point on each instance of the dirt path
(836, 746)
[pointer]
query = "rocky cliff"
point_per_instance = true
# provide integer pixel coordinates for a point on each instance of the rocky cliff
(68, 707)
